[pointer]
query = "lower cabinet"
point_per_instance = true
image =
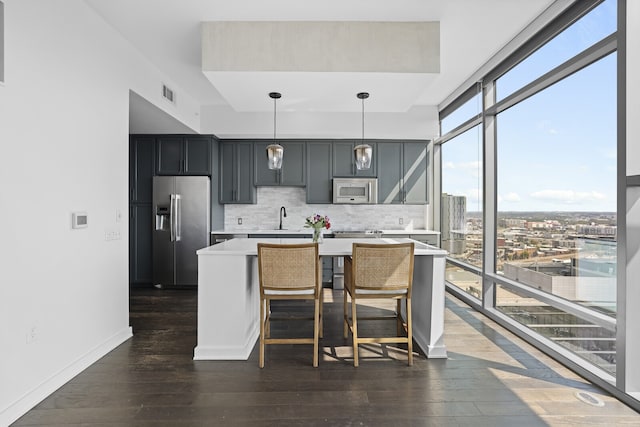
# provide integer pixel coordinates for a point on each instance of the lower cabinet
(327, 269)
(140, 262)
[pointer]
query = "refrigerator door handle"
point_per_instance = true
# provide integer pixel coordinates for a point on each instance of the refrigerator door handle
(172, 218)
(178, 216)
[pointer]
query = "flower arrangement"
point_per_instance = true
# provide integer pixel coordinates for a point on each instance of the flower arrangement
(317, 222)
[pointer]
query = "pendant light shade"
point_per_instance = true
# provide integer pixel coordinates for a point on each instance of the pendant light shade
(363, 152)
(275, 152)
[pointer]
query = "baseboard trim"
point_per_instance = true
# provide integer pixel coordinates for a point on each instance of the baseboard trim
(30, 399)
(241, 352)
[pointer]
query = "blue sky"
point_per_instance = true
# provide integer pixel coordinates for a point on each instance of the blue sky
(557, 149)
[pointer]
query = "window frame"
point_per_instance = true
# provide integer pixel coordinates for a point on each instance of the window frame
(490, 108)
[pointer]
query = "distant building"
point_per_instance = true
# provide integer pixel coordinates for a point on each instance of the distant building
(588, 277)
(597, 230)
(453, 223)
(515, 222)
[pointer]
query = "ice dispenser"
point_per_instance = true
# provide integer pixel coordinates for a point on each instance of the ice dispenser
(162, 218)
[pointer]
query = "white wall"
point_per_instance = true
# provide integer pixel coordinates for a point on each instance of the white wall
(64, 148)
(633, 87)
(628, 324)
(417, 123)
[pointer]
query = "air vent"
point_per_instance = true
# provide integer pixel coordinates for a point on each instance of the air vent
(168, 94)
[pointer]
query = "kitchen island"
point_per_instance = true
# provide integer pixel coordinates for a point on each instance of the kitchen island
(229, 295)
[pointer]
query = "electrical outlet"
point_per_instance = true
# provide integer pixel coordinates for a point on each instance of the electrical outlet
(112, 234)
(239, 221)
(400, 220)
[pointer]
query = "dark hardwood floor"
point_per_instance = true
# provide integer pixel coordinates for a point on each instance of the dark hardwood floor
(491, 378)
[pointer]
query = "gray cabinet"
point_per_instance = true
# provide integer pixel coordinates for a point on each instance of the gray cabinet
(389, 162)
(402, 172)
(344, 164)
(293, 165)
(236, 173)
(183, 155)
(140, 261)
(141, 171)
(319, 172)
(414, 172)
(141, 168)
(327, 269)
(197, 155)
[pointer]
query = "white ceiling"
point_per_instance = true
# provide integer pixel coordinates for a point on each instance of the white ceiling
(168, 33)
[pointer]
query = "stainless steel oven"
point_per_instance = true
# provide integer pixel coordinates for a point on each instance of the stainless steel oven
(355, 190)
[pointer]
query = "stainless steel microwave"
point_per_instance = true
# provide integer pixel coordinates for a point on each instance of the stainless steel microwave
(355, 190)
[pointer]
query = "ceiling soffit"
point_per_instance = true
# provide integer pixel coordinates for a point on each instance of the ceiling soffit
(293, 55)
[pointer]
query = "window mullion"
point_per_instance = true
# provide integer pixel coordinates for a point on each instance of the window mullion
(489, 196)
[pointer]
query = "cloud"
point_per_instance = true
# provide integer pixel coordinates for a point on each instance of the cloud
(568, 196)
(448, 165)
(510, 197)
(474, 165)
(474, 194)
(547, 127)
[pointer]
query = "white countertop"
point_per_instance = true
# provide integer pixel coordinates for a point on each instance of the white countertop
(297, 231)
(329, 247)
(330, 231)
(407, 232)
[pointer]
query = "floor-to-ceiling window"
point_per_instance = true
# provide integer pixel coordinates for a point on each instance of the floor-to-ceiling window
(461, 208)
(552, 211)
(556, 158)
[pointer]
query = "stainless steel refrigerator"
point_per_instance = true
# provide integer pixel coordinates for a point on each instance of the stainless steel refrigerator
(181, 226)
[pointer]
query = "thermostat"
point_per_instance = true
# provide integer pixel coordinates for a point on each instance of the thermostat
(79, 220)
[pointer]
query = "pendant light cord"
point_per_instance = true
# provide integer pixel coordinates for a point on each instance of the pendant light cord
(274, 119)
(363, 119)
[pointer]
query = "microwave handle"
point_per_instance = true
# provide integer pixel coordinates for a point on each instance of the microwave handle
(369, 191)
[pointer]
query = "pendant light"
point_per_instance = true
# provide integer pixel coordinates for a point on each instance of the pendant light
(275, 151)
(363, 152)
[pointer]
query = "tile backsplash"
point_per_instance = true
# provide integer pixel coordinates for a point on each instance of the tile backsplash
(264, 215)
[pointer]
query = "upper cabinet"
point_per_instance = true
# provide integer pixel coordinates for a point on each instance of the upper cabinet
(344, 162)
(236, 173)
(414, 172)
(319, 172)
(293, 165)
(141, 168)
(402, 172)
(389, 162)
(183, 155)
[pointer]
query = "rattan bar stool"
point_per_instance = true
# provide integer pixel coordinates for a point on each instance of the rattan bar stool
(379, 271)
(289, 272)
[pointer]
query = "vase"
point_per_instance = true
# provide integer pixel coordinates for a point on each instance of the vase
(317, 235)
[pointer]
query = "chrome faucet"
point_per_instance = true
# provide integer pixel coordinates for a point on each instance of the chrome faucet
(282, 210)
